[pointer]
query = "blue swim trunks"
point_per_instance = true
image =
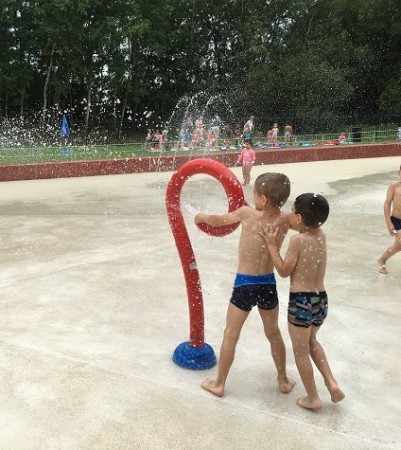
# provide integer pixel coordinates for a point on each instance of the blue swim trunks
(244, 279)
(396, 222)
(307, 308)
(252, 290)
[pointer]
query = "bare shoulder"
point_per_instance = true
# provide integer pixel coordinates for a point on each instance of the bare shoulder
(245, 211)
(393, 189)
(296, 238)
(283, 221)
(321, 235)
(284, 217)
(318, 237)
(396, 185)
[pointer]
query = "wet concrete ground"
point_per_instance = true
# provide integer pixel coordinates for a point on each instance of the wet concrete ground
(93, 304)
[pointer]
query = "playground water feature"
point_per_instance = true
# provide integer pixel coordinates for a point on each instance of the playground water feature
(213, 109)
(27, 140)
(195, 116)
(93, 305)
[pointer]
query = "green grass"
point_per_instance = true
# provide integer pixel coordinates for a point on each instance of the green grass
(76, 153)
(43, 154)
(56, 154)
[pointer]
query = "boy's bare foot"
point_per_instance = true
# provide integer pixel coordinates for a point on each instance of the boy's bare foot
(213, 387)
(286, 385)
(336, 394)
(382, 268)
(313, 405)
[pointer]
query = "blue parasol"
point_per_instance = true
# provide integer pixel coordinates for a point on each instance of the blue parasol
(65, 129)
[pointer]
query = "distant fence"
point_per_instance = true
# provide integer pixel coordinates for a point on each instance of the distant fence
(168, 162)
(67, 149)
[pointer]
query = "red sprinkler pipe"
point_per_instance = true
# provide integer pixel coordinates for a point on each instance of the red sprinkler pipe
(235, 198)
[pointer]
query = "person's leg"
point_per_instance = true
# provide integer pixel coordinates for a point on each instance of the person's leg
(300, 337)
(395, 248)
(320, 360)
(249, 173)
(273, 334)
(244, 173)
(235, 320)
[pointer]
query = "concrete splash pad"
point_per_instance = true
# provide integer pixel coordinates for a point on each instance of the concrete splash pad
(93, 304)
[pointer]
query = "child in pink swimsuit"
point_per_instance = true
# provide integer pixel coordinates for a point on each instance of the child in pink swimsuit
(247, 158)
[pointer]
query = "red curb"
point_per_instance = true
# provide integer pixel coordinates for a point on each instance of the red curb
(66, 169)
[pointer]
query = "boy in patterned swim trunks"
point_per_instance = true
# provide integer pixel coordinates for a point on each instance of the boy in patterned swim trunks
(392, 214)
(305, 263)
(255, 283)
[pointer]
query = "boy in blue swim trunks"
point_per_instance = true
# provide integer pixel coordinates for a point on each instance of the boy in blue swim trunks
(255, 284)
(305, 264)
(392, 214)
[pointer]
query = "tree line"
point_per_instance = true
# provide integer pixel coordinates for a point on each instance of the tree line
(318, 64)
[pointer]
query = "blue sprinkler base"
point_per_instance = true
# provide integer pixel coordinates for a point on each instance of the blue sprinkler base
(194, 358)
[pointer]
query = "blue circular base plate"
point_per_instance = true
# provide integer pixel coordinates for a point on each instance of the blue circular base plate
(194, 358)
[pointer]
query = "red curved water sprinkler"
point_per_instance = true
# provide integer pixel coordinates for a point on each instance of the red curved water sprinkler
(195, 354)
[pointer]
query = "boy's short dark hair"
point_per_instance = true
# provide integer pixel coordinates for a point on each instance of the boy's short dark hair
(275, 186)
(313, 208)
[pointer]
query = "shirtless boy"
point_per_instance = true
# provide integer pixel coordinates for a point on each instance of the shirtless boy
(305, 263)
(392, 214)
(255, 282)
(288, 133)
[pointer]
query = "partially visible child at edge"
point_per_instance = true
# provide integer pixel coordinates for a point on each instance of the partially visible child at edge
(392, 215)
(255, 283)
(247, 158)
(305, 263)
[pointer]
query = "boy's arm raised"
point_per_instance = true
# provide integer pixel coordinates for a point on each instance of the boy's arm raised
(216, 220)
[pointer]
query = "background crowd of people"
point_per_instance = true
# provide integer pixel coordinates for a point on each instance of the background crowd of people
(216, 135)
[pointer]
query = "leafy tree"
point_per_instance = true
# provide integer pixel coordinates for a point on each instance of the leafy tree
(314, 62)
